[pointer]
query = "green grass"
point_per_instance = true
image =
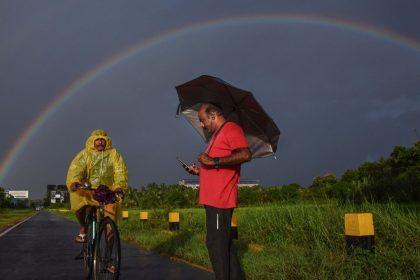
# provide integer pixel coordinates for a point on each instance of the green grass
(9, 217)
(294, 241)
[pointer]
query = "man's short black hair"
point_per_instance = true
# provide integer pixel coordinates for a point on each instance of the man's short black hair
(213, 108)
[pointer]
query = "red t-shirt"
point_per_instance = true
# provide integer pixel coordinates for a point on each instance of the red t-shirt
(219, 188)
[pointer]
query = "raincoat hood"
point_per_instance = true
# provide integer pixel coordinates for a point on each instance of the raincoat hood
(97, 134)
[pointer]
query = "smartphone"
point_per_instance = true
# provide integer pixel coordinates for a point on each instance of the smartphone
(183, 163)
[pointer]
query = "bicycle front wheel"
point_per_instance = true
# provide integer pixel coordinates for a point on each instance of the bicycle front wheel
(88, 246)
(107, 251)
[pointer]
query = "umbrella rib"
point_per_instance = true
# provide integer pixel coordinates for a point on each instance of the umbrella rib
(231, 97)
(258, 128)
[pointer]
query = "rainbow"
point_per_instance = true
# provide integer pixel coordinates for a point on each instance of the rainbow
(118, 58)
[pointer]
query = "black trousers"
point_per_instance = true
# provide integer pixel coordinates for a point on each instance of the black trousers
(220, 246)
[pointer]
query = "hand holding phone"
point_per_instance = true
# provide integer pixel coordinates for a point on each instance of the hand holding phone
(182, 163)
(192, 170)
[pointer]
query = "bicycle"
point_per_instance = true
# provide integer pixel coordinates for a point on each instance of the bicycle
(101, 252)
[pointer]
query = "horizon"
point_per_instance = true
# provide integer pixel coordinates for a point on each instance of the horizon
(194, 178)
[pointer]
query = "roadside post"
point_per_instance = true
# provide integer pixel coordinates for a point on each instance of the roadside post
(125, 215)
(234, 226)
(144, 216)
(173, 221)
(359, 232)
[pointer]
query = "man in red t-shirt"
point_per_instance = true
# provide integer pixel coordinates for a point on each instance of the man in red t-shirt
(219, 172)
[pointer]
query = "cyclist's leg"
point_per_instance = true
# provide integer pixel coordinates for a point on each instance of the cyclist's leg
(111, 211)
(81, 218)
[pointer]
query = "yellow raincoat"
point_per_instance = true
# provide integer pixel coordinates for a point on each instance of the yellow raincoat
(105, 167)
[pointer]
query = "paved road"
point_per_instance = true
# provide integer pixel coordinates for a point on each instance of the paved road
(43, 248)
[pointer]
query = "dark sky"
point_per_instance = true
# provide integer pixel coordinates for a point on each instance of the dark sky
(341, 79)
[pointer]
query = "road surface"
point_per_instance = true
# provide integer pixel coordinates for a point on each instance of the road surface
(43, 248)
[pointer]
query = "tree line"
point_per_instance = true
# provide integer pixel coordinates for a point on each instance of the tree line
(396, 178)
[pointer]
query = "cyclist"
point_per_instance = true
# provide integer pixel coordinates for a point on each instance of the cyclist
(99, 164)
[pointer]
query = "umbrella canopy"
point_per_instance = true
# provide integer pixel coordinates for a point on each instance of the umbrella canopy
(238, 105)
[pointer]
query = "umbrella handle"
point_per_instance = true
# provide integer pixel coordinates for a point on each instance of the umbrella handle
(178, 109)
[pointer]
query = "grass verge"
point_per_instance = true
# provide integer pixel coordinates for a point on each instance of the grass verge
(10, 217)
(295, 241)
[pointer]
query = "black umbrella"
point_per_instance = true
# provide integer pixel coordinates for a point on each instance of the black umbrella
(238, 106)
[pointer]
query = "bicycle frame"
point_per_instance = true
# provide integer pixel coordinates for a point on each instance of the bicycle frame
(97, 261)
(88, 248)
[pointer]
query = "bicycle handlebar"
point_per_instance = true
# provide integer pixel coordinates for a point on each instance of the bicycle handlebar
(84, 186)
(119, 195)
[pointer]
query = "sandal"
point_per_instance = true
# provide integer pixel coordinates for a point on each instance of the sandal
(111, 268)
(80, 238)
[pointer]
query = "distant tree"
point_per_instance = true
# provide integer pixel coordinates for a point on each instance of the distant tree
(395, 178)
(286, 193)
(131, 198)
(191, 196)
(406, 185)
(291, 192)
(173, 197)
(323, 181)
(151, 197)
(351, 176)
(5, 200)
(373, 172)
(47, 199)
(401, 158)
(22, 203)
(346, 192)
(167, 197)
(182, 196)
(250, 195)
(273, 194)
(2, 197)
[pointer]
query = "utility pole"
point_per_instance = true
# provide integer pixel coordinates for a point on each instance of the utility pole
(417, 134)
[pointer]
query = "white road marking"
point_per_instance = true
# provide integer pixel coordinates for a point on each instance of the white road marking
(9, 229)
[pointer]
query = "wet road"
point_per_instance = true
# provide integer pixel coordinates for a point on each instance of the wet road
(43, 248)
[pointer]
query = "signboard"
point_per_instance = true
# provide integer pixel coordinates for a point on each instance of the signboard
(19, 194)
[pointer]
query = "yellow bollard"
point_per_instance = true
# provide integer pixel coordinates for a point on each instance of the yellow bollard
(174, 221)
(144, 216)
(125, 215)
(359, 231)
(234, 226)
